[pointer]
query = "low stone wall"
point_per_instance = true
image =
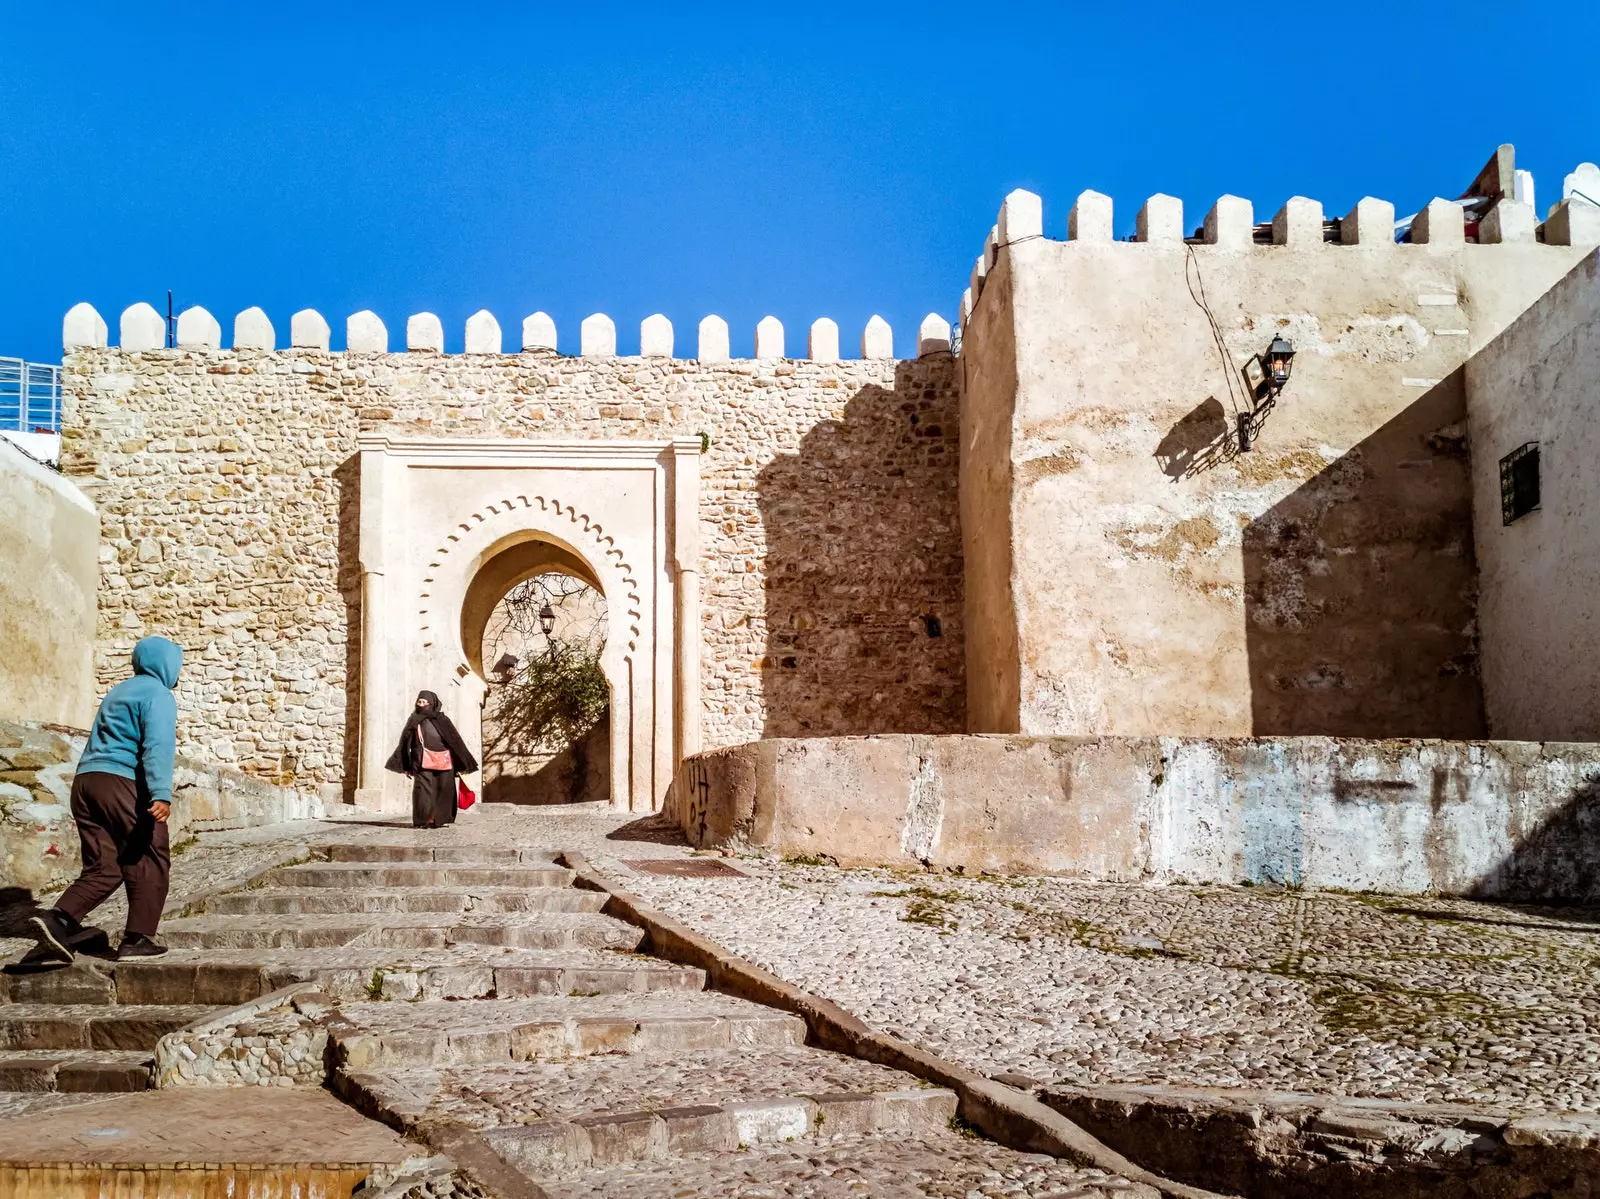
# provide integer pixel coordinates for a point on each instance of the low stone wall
(38, 840)
(1491, 819)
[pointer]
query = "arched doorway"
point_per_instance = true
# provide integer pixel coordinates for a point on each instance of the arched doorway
(447, 528)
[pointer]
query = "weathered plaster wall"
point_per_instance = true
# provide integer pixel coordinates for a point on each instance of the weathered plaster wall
(227, 486)
(49, 549)
(1165, 583)
(1496, 819)
(39, 839)
(1539, 578)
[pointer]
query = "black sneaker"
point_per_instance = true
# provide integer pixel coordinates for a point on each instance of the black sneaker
(53, 930)
(137, 945)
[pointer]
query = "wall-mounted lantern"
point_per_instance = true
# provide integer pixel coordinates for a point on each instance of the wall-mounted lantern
(505, 668)
(1278, 361)
(547, 620)
(1265, 375)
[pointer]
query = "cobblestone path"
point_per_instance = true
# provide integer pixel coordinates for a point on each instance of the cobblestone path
(456, 978)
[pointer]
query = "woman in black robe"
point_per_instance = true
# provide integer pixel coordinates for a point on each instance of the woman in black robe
(433, 791)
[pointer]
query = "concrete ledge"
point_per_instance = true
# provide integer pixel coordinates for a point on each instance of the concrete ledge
(1009, 1116)
(1487, 819)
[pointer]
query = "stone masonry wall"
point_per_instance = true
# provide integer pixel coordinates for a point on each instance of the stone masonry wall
(226, 483)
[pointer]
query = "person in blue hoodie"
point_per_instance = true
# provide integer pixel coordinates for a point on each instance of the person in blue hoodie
(121, 799)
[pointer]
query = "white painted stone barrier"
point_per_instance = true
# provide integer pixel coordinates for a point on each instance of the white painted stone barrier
(253, 331)
(1161, 219)
(1021, 216)
(539, 332)
(483, 333)
(143, 328)
(597, 336)
(713, 340)
(769, 338)
(1090, 218)
(877, 339)
(1370, 223)
(83, 329)
(425, 332)
(198, 330)
(1231, 224)
(823, 343)
(933, 335)
(655, 337)
(1298, 224)
(308, 330)
(1441, 223)
(364, 333)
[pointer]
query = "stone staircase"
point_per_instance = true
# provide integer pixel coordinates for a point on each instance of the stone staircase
(472, 987)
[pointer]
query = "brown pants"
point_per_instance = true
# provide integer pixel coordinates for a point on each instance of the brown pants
(122, 845)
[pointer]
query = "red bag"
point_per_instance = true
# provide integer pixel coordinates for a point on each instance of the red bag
(465, 796)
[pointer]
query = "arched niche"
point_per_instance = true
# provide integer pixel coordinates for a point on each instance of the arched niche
(512, 560)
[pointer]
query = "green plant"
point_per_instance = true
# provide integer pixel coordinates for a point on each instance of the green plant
(185, 845)
(554, 700)
(375, 985)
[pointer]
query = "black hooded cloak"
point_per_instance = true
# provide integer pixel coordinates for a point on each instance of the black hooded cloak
(433, 792)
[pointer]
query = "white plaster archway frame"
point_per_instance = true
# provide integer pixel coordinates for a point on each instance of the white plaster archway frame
(434, 511)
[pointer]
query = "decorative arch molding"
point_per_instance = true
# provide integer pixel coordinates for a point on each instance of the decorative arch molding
(436, 511)
(480, 530)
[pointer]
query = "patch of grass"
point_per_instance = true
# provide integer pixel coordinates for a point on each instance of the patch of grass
(923, 911)
(810, 859)
(186, 844)
(375, 985)
(962, 1129)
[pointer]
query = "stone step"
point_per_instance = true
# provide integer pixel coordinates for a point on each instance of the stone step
(297, 901)
(487, 1096)
(560, 930)
(497, 855)
(882, 1165)
(363, 876)
(92, 1025)
(76, 1070)
(383, 1036)
(173, 979)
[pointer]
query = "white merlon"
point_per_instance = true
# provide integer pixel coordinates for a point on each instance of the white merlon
(966, 307)
(1161, 219)
(1572, 222)
(1231, 224)
(655, 337)
(483, 333)
(539, 332)
(1370, 223)
(1584, 182)
(142, 328)
(1441, 223)
(364, 333)
(424, 331)
(1523, 190)
(991, 247)
(1021, 216)
(980, 271)
(597, 336)
(933, 335)
(309, 331)
(1090, 218)
(823, 344)
(769, 338)
(83, 328)
(1298, 223)
(714, 340)
(253, 331)
(877, 339)
(198, 330)
(1508, 221)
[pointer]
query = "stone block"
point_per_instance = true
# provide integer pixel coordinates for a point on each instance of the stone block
(198, 330)
(822, 345)
(699, 1129)
(1369, 223)
(547, 1148)
(1021, 217)
(1161, 219)
(846, 1115)
(624, 1137)
(682, 1034)
(933, 335)
(924, 1110)
(253, 331)
(1230, 224)
(1583, 183)
(598, 1034)
(877, 339)
(83, 329)
(771, 1121)
(364, 333)
(991, 246)
(769, 338)
(542, 1041)
(483, 333)
(713, 340)
(1298, 223)
(597, 336)
(309, 331)
(143, 328)
(655, 337)
(1441, 223)
(1573, 222)
(539, 332)
(425, 333)
(1508, 221)
(1090, 218)
(522, 982)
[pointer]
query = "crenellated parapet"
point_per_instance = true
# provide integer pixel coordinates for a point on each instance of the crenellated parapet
(1231, 225)
(142, 328)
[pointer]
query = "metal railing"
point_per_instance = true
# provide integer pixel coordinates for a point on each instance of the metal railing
(30, 396)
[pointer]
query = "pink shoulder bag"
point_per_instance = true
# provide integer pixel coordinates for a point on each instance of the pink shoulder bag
(432, 759)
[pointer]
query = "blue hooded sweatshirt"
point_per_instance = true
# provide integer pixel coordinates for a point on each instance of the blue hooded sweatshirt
(135, 732)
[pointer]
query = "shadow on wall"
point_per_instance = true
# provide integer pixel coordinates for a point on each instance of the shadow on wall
(1559, 856)
(1359, 587)
(863, 566)
(580, 773)
(347, 478)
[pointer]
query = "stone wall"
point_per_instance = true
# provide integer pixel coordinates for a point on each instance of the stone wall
(1491, 819)
(1539, 577)
(39, 840)
(1161, 579)
(226, 482)
(49, 546)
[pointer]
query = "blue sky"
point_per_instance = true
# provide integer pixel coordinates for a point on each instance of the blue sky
(802, 160)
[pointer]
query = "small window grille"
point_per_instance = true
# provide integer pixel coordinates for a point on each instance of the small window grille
(1519, 482)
